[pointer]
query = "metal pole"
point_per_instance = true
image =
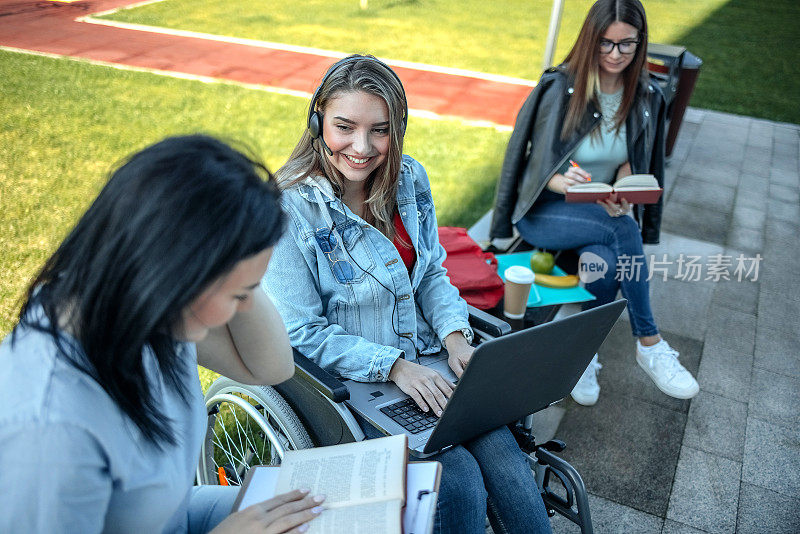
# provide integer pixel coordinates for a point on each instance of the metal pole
(552, 34)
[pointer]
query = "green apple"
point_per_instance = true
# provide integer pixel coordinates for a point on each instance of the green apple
(542, 262)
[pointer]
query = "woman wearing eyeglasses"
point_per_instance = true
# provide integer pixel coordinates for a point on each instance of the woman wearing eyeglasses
(359, 282)
(597, 117)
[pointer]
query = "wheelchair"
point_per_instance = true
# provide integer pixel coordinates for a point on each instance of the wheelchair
(255, 425)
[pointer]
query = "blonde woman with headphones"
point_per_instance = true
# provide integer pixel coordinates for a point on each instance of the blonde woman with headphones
(359, 282)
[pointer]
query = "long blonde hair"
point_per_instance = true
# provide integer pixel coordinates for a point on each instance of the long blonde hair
(583, 64)
(307, 159)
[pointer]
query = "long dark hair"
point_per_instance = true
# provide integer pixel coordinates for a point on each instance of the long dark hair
(582, 61)
(172, 219)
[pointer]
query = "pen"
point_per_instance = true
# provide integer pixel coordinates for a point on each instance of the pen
(575, 164)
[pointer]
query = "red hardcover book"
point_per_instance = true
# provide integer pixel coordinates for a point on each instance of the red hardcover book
(635, 188)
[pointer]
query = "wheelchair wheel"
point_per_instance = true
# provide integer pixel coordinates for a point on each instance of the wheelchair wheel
(247, 426)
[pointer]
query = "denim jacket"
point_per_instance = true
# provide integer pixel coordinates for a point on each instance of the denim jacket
(345, 294)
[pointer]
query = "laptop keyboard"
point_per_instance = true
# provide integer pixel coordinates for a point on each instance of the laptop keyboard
(407, 414)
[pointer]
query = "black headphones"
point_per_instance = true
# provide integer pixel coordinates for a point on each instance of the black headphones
(314, 123)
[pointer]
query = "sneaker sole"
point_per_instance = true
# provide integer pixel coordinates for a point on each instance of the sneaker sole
(584, 402)
(673, 393)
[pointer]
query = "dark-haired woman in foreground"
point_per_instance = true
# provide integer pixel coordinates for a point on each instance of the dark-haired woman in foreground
(600, 110)
(103, 412)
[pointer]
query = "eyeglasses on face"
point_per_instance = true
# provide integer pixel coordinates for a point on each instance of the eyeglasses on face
(627, 46)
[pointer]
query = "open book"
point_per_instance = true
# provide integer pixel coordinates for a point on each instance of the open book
(367, 484)
(635, 188)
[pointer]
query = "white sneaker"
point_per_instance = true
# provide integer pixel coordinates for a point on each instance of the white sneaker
(660, 362)
(587, 390)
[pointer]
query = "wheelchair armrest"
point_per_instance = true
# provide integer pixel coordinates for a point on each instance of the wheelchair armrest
(491, 325)
(326, 383)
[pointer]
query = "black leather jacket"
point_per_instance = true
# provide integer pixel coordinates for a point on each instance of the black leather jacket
(535, 151)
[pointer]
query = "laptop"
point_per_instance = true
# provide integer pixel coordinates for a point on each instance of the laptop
(506, 379)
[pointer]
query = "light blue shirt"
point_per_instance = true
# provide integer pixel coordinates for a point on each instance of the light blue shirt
(339, 305)
(72, 461)
(601, 155)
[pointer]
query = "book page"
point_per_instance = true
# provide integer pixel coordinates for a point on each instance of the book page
(354, 473)
(590, 187)
(637, 181)
(360, 519)
(260, 487)
(421, 498)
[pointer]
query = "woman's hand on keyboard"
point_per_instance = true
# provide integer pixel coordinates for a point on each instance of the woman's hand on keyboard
(459, 352)
(429, 389)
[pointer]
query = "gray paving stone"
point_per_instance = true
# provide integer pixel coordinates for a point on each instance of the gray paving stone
(781, 233)
(784, 173)
(611, 517)
(762, 510)
(681, 307)
(785, 211)
(725, 174)
(673, 254)
(784, 193)
(673, 527)
(705, 492)
(777, 351)
(694, 115)
(625, 449)
(705, 194)
(716, 425)
(710, 161)
(748, 217)
(784, 150)
(775, 398)
(785, 135)
(725, 371)
(738, 295)
(746, 239)
(704, 224)
(756, 201)
(778, 311)
(760, 135)
(772, 457)
(778, 258)
(777, 279)
(758, 154)
(729, 120)
(731, 328)
(779, 305)
(751, 183)
(757, 166)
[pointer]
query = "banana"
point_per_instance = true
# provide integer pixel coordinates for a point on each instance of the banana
(549, 280)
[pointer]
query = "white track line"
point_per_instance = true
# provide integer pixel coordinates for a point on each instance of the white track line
(91, 19)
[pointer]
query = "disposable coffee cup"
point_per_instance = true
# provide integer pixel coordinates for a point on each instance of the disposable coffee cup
(518, 285)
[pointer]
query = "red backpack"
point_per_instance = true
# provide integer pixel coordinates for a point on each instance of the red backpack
(471, 270)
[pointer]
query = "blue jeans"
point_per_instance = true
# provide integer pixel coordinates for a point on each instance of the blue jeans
(557, 225)
(208, 506)
(488, 475)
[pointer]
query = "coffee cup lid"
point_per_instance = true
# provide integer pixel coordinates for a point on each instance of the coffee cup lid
(519, 274)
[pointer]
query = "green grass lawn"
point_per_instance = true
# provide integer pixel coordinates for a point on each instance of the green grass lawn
(750, 50)
(64, 124)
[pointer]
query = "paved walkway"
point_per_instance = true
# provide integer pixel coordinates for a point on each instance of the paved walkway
(51, 27)
(729, 459)
(726, 461)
